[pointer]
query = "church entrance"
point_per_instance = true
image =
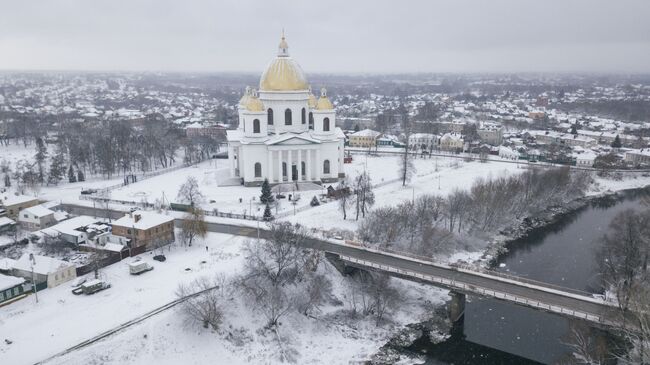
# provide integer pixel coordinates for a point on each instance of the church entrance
(294, 172)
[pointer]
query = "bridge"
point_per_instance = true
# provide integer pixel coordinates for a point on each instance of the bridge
(461, 281)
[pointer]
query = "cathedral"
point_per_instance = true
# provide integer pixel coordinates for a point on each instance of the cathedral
(285, 133)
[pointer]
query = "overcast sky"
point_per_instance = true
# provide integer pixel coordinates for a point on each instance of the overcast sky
(327, 35)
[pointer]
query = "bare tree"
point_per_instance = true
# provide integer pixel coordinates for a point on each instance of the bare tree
(276, 270)
(206, 308)
(343, 192)
(385, 297)
(193, 225)
(624, 255)
(189, 192)
(365, 197)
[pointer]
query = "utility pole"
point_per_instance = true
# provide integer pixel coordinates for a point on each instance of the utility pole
(33, 261)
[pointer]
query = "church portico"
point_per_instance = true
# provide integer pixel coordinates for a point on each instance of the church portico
(285, 133)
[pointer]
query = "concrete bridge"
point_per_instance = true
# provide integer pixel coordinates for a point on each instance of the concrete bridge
(460, 281)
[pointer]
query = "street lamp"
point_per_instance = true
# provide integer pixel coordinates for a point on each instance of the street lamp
(33, 262)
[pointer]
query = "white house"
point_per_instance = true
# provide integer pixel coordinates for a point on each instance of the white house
(285, 133)
(423, 140)
(36, 217)
(46, 270)
(451, 142)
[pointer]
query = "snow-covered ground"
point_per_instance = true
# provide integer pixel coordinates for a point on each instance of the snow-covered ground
(451, 174)
(61, 319)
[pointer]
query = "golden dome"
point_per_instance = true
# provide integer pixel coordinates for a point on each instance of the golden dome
(244, 99)
(312, 102)
(324, 102)
(252, 103)
(255, 105)
(283, 73)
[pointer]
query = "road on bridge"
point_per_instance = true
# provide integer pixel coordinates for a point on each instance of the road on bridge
(548, 295)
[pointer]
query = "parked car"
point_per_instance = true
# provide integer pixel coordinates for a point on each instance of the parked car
(160, 258)
(91, 287)
(138, 267)
(88, 191)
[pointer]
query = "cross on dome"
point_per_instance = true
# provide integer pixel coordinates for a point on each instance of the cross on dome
(283, 48)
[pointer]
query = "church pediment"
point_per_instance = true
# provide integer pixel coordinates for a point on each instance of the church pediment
(293, 140)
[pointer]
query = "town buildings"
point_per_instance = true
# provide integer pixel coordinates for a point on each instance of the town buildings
(365, 138)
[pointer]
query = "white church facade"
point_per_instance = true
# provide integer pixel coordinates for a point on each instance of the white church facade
(285, 133)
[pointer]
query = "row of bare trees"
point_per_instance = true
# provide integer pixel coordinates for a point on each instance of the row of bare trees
(427, 225)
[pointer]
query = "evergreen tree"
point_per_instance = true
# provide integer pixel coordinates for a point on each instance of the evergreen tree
(574, 129)
(267, 214)
(7, 181)
(80, 176)
(57, 168)
(40, 157)
(314, 201)
(71, 175)
(617, 142)
(267, 196)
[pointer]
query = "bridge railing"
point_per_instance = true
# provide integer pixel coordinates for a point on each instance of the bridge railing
(475, 269)
(483, 291)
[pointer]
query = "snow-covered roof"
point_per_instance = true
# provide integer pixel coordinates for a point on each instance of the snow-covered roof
(6, 263)
(71, 225)
(147, 220)
(6, 221)
(44, 265)
(37, 211)
(7, 282)
(366, 133)
(16, 199)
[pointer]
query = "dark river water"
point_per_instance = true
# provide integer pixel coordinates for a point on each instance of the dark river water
(495, 332)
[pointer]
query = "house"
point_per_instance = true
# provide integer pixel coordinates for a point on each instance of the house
(638, 157)
(423, 140)
(490, 133)
(145, 229)
(48, 272)
(508, 153)
(451, 142)
(214, 131)
(365, 138)
(387, 141)
(76, 230)
(7, 224)
(15, 203)
(11, 289)
(36, 217)
(585, 159)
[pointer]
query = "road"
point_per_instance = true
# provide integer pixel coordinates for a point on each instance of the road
(515, 290)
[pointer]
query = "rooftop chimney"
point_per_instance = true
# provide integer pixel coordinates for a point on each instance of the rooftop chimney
(137, 217)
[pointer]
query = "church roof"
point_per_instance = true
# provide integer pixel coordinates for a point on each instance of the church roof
(283, 73)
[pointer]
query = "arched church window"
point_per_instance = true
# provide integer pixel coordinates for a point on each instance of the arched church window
(258, 169)
(256, 126)
(287, 117)
(303, 117)
(326, 125)
(326, 167)
(270, 116)
(311, 120)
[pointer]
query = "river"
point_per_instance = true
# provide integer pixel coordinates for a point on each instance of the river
(562, 253)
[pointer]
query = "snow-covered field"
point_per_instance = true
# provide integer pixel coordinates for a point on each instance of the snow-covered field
(61, 320)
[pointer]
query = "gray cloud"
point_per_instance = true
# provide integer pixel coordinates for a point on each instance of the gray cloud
(327, 36)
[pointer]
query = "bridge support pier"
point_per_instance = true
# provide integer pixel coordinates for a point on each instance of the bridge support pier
(456, 306)
(338, 264)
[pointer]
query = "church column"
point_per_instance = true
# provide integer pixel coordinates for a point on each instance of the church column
(231, 160)
(279, 166)
(318, 165)
(299, 166)
(289, 166)
(269, 167)
(308, 166)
